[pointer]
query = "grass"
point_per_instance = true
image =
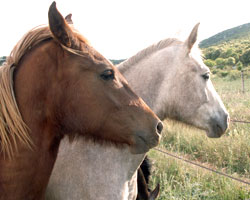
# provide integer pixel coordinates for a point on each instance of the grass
(237, 103)
(179, 180)
(229, 154)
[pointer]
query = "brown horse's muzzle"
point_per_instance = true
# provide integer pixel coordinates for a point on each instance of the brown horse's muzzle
(145, 141)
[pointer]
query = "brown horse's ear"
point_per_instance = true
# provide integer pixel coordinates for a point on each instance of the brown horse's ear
(192, 37)
(155, 192)
(59, 27)
(68, 19)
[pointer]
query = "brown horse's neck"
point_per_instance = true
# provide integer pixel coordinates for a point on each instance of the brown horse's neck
(27, 174)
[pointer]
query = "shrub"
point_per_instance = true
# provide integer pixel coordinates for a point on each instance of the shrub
(210, 63)
(245, 58)
(231, 61)
(214, 71)
(224, 73)
(212, 53)
(233, 75)
(221, 73)
(239, 65)
(220, 62)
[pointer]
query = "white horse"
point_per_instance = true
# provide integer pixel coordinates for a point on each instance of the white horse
(172, 79)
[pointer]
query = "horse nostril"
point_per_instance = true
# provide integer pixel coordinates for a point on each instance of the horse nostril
(159, 127)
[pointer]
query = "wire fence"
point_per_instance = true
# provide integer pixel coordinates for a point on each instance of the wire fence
(243, 80)
(239, 121)
(204, 167)
(201, 166)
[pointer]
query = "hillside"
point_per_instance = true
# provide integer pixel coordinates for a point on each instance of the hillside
(2, 60)
(116, 62)
(239, 32)
(228, 53)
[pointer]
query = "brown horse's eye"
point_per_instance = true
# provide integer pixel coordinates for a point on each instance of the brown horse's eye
(205, 76)
(108, 75)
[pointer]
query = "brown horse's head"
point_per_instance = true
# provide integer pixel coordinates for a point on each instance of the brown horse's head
(76, 91)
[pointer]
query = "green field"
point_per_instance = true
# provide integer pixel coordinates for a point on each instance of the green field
(229, 154)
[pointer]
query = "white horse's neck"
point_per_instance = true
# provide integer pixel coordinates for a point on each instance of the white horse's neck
(149, 75)
(85, 170)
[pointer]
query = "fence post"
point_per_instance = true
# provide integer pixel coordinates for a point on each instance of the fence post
(242, 80)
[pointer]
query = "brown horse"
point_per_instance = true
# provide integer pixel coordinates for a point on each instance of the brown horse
(62, 86)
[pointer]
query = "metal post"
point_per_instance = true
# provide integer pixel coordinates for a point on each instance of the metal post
(242, 80)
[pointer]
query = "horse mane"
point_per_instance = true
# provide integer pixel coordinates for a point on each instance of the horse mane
(34, 37)
(147, 51)
(12, 126)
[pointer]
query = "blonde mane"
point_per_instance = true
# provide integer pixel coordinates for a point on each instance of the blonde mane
(148, 51)
(12, 126)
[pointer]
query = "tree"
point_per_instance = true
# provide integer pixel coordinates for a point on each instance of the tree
(239, 65)
(216, 54)
(231, 61)
(236, 57)
(210, 63)
(212, 53)
(220, 62)
(245, 58)
(208, 52)
(229, 52)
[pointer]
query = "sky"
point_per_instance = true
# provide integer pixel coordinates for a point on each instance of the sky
(118, 29)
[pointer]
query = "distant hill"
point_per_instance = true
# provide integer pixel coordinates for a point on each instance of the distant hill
(239, 32)
(116, 62)
(2, 60)
(228, 51)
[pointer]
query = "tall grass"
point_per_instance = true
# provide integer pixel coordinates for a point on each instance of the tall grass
(229, 154)
(182, 181)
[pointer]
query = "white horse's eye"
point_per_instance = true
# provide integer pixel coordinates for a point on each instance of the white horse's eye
(206, 76)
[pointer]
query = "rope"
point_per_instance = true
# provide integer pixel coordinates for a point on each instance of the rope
(201, 166)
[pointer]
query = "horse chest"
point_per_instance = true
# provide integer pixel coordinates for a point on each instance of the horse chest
(93, 172)
(23, 177)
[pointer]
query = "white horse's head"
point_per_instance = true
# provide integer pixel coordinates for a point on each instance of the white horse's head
(191, 96)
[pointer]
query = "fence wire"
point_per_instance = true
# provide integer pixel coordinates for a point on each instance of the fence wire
(239, 121)
(201, 166)
(207, 168)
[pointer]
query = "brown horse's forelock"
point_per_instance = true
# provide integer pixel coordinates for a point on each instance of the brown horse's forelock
(12, 126)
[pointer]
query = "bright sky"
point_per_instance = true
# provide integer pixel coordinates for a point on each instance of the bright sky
(120, 28)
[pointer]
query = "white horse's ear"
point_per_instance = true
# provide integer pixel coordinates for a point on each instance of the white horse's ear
(68, 19)
(192, 37)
